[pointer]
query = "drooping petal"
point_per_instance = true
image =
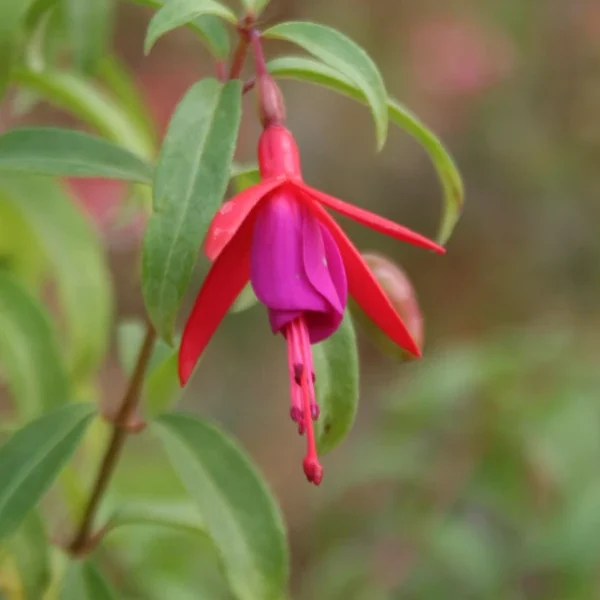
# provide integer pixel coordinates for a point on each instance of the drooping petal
(225, 280)
(363, 287)
(322, 325)
(325, 269)
(365, 217)
(316, 263)
(233, 213)
(335, 264)
(277, 269)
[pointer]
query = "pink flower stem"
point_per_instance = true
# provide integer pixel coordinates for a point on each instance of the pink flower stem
(260, 64)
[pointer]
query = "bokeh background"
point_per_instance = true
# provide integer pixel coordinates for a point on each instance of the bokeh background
(473, 474)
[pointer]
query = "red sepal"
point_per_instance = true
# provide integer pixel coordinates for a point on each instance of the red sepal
(364, 217)
(232, 215)
(365, 289)
(225, 280)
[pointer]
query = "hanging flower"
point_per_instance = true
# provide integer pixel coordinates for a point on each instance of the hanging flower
(277, 235)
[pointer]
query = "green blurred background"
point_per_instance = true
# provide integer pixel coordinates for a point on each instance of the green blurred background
(474, 474)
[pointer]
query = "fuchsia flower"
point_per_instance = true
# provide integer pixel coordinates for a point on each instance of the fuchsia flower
(302, 267)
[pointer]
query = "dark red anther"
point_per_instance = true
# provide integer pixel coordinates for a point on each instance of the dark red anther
(315, 411)
(298, 371)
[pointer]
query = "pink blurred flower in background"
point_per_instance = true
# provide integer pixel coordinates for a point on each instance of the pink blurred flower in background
(452, 60)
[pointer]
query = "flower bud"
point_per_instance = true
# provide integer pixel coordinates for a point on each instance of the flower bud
(401, 294)
(271, 108)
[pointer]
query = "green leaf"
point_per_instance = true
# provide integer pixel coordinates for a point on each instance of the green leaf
(214, 34)
(190, 182)
(254, 7)
(446, 169)
(38, 9)
(63, 152)
(247, 299)
(173, 515)
(161, 385)
(33, 457)
(243, 176)
(83, 98)
(180, 12)
(130, 336)
(90, 28)
(77, 262)
(30, 550)
(209, 28)
(161, 388)
(342, 54)
(306, 69)
(240, 513)
(29, 353)
(119, 81)
(20, 252)
(84, 581)
(336, 370)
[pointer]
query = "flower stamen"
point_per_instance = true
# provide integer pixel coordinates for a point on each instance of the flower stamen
(304, 408)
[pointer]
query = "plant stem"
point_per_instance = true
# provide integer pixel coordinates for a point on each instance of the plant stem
(260, 65)
(248, 85)
(83, 540)
(239, 54)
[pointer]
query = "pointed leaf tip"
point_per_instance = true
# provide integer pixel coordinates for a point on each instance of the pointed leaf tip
(336, 385)
(447, 171)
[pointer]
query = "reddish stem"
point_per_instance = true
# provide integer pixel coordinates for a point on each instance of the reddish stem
(248, 85)
(84, 540)
(260, 64)
(239, 54)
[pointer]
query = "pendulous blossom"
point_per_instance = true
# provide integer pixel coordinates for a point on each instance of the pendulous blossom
(277, 235)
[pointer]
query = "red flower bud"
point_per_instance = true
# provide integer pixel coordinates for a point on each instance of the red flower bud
(271, 108)
(399, 290)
